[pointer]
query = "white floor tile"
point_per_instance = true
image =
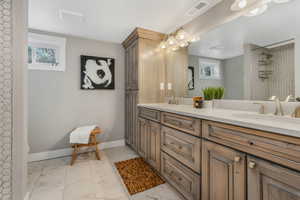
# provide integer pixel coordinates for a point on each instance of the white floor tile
(88, 179)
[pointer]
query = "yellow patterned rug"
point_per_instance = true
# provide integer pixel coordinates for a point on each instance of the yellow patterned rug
(137, 175)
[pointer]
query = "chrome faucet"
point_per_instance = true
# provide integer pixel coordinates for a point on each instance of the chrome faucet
(278, 106)
(290, 98)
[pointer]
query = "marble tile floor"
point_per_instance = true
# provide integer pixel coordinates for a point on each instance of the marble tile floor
(88, 179)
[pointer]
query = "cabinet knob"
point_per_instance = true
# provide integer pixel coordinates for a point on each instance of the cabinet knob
(237, 159)
(252, 165)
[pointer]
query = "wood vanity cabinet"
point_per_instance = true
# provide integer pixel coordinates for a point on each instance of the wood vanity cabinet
(269, 181)
(223, 173)
(142, 77)
(207, 160)
(149, 142)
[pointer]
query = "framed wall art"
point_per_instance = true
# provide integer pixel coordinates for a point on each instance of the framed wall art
(97, 73)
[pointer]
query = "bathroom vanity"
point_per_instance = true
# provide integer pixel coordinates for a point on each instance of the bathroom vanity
(219, 154)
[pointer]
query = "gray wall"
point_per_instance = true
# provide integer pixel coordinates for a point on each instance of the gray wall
(234, 77)
(201, 84)
(57, 105)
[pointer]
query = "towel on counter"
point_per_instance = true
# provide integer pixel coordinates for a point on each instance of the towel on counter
(81, 135)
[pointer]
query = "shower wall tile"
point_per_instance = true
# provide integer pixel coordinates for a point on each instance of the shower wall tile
(5, 99)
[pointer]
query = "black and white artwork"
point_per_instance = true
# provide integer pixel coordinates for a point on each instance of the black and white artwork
(97, 73)
(191, 78)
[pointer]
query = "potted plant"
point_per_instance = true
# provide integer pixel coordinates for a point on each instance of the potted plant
(211, 93)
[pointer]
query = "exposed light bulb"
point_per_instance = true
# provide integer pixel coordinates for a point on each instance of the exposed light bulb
(163, 45)
(175, 48)
(171, 40)
(181, 35)
(183, 44)
(242, 4)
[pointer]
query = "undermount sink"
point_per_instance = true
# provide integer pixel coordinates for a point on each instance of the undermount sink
(286, 119)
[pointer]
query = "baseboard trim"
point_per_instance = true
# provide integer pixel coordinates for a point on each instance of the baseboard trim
(68, 151)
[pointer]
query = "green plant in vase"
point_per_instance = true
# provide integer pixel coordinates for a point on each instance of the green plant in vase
(208, 93)
(219, 93)
(211, 93)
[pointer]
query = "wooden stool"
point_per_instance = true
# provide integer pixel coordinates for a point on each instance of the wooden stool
(92, 142)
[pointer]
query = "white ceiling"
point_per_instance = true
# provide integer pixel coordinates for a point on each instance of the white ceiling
(108, 20)
(279, 23)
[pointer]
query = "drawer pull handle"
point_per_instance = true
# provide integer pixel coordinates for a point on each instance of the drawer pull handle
(180, 147)
(237, 159)
(252, 165)
(251, 142)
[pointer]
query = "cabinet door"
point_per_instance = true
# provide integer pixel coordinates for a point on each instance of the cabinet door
(127, 119)
(268, 181)
(131, 100)
(223, 173)
(134, 118)
(181, 177)
(154, 145)
(135, 65)
(142, 137)
(131, 62)
(127, 69)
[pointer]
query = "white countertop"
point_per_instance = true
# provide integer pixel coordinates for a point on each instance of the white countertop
(281, 125)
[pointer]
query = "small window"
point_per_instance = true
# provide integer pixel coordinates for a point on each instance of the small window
(46, 52)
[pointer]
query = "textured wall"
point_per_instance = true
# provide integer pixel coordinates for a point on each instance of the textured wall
(5, 99)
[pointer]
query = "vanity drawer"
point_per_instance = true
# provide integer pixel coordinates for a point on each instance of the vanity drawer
(184, 147)
(149, 114)
(284, 150)
(182, 178)
(183, 123)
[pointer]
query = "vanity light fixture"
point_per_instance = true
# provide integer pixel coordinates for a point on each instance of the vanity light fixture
(179, 39)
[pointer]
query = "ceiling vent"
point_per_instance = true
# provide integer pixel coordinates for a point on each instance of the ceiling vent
(70, 15)
(201, 7)
(197, 8)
